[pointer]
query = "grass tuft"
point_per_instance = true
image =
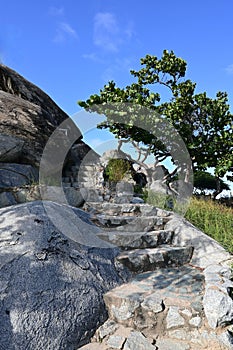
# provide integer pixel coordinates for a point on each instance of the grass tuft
(215, 219)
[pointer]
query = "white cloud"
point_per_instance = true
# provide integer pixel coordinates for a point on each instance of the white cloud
(106, 31)
(229, 69)
(93, 57)
(65, 27)
(64, 31)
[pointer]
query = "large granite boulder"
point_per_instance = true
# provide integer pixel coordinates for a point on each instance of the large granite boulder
(54, 272)
(34, 130)
(27, 113)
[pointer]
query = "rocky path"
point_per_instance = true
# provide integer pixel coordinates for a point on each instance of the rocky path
(169, 303)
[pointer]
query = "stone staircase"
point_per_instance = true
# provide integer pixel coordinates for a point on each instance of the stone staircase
(162, 305)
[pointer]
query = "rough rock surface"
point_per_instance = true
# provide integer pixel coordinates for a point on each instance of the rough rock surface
(51, 285)
(26, 112)
(28, 118)
(187, 305)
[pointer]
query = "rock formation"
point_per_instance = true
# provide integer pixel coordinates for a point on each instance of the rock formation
(179, 296)
(51, 285)
(28, 117)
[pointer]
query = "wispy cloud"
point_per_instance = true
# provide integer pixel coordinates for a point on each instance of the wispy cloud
(106, 31)
(229, 69)
(94, 57)
(64, 30)
(56, 11)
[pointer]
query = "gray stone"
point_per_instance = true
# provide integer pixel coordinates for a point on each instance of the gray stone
(74, 197)
(136, 240)
(26, 112)
(226, 338)
(116, 341)
(51, 285)
(174, 319)
(206, 252)
(150, 259)
(186, 312)
(196, 321)
(17, 175)
(137, 200)
(218, 307)
(10, 148)
(159, 188)
(124, 308)
(90, 195)
(142, 223)
(137, 341)
(108, 328)
(181, 334)
(6, 199)
(168, 344)
(153, 303)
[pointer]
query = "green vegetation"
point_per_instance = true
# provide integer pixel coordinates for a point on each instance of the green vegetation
(216, 220)
(116, 170)
(205, 124)
(159, 200)
(204, 181)
(211, 217)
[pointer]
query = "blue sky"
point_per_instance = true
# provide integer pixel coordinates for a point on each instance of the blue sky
(72, 48)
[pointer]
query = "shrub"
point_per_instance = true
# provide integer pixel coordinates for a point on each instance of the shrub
(117, 169)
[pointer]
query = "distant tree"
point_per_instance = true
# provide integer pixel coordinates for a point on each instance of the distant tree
(205, 182)
(205, 124)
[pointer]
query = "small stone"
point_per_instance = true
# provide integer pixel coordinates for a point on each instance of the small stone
(153, 303)
(226, 338)
(109, 327)
(168, 344)
(186, 312)
(197, 306)
(137, 341)
(195, 321)
(41, 255)
(218, 307)
(116, 341)
(137, 200)
(174, 319)
(180, 334)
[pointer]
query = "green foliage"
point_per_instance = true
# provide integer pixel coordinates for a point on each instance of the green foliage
(203, 181)
(205, 124)
(159, 200)
(214, 219)
(116, 170)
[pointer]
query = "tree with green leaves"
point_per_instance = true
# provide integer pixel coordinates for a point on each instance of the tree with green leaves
(206, 183)
(205, 124)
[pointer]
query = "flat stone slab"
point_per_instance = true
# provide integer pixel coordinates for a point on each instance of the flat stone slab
(137, 240)
(168, 291)
(150, 259)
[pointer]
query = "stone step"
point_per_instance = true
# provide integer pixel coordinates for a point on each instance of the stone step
(137, 240)
(125, 209)
(169, 298)
(85, 175)
(149, 259)
(130, 223)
